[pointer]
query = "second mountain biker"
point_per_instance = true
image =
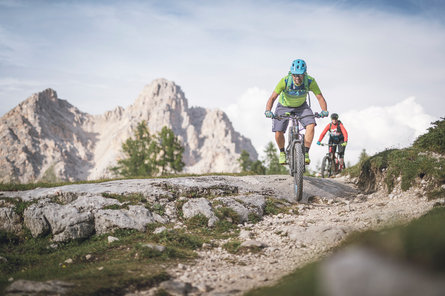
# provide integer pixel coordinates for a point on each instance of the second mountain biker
(337, 135)
(293, 90)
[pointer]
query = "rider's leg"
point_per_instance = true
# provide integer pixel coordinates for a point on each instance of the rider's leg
(341, 156)
(309, 135)
(279, 138)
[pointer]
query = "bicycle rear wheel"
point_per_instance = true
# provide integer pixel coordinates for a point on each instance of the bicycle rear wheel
(332, 167)
(298, 160)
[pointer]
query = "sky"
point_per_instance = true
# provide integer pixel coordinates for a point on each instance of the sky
(379, 64)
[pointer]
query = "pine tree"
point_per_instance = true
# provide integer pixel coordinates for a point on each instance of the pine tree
(170, 152)
(141, 154)
(249, 166)
(271, 161)
(258, 168)
(245, 161)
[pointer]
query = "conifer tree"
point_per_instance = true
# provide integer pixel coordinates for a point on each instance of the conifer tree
(248, 165)
(141, 152)
(170, 152)
(271, 161)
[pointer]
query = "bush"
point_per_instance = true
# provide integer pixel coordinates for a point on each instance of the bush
(434, 139)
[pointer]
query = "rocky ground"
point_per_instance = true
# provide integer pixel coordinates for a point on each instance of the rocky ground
(331, 210)
(275, 246)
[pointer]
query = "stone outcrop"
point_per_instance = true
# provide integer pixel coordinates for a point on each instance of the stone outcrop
(79, 211)
(46, 138)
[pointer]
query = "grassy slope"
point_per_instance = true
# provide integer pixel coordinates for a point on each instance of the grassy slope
(421, 242)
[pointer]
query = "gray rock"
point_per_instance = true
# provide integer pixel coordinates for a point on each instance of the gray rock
(112, 239)
(239, 208)
(92, 202)
(253, 244)
(160, 229)
(25, 287)
(176, 288)
(68, 223)
(35, 220)
(158, 248)
(198, 206)
(316, 232)
(136, 217)
(325, 188)
(10, 220)
(245, 205)
(245, 234)
(256, 203)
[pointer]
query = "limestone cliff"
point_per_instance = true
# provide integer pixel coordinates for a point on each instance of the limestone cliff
(46, 138)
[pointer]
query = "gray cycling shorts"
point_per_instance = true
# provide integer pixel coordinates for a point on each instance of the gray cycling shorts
(303, 110)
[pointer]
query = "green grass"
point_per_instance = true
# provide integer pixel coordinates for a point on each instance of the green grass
(421, 243)
(123, 264)
(131, 198)
(276, 206)
(409, 164)
(232, 246)
(116, 266)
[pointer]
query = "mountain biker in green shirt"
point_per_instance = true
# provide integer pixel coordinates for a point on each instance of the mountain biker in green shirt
(292, 91)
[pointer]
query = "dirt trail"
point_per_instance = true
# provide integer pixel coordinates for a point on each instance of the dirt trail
(333, 209)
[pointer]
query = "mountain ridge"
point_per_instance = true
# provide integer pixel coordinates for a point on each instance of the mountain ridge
(46, 137)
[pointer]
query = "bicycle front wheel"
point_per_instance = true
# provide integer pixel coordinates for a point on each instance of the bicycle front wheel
(325, 166)
(298, 160)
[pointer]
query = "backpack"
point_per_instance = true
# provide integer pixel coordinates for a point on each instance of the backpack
(298, 90)
(336, 138)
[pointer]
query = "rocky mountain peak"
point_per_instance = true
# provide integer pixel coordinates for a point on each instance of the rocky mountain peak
(159, 93)
(47, 138)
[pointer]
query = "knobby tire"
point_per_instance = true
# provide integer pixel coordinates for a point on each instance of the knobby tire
(325, 166)
(298, 169)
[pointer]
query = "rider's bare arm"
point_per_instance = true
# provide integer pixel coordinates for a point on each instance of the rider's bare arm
(271, 100)
(322, 102)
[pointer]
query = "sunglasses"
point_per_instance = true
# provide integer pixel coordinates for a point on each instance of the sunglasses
(301, 76)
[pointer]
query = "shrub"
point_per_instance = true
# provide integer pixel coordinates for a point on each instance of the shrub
(434, 139)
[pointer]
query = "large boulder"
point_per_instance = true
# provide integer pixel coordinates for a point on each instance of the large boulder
(9, 220)
(198, 206)
(136, 217)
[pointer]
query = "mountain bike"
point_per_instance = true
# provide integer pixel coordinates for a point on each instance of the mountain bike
(330, 165)
(295, 150)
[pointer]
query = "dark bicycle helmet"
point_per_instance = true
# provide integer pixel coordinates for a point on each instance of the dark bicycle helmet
(334, 116)
(298, 67)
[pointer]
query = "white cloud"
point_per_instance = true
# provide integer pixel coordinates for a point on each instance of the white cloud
(374, 128)
(247, 116)
(359, 56)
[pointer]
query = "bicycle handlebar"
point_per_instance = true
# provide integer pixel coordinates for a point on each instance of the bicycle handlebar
(294, 116)
(330, 145)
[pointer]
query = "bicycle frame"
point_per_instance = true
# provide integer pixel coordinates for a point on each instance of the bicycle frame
(295, 151)
(333, 162)
(295, 138)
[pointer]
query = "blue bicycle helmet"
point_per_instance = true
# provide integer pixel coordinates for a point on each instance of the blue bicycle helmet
(298, 67)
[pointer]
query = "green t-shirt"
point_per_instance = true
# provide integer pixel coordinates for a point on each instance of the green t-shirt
(295, 99)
